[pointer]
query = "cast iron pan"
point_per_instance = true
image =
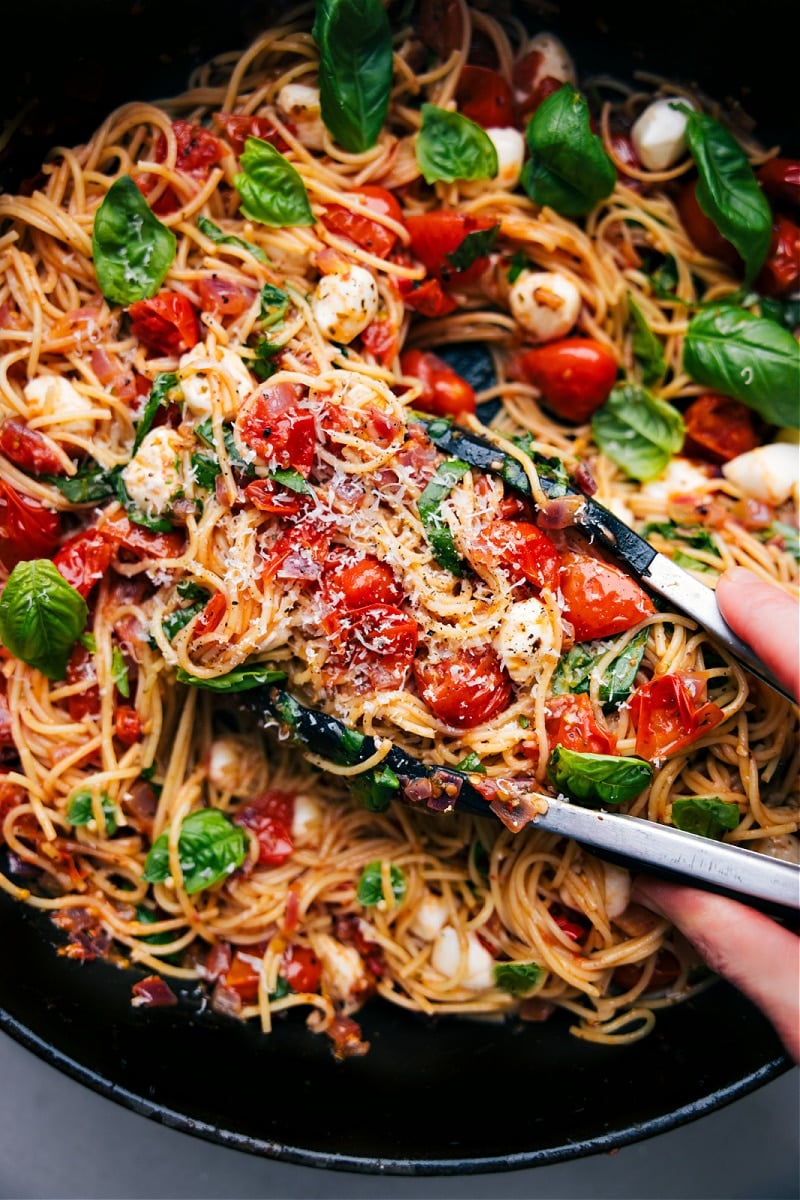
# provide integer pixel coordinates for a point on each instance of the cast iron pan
(431, 1097)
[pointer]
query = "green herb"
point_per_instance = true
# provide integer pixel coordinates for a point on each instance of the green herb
(229, 239)
(370, 885)
(569, 171)
(751, 358)
(785, 312)
(518, 978)
(271, 190)
(159, 397)
(91, 484)
(664, 279)
(241, 679)
(523, 722)
(437, 531)
(693, 535)
(210, 847)
(550, 469)
(135, 514)
(355, 70)
(471, 764)
(519, 263)
(132, 250)
(598, 778)
(451, 147)
(575, 669)
(262, 365)
(475, 245)
(647, 349)
(41, 616)
(274, 305)
(89, 641)
(205, 469)
(80, 810)
(146, 916)
(179, 618)
(727, 190)
(376, 788)
(707, 815)
(689, 563)
(293, 480)
(637, 431)
(119, 672)
(788, 534)
(205, 431)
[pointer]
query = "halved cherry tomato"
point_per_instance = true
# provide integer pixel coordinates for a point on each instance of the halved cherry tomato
(571, 722)
(196, 153)
(301, 969)
(670, 713)
(701, 229)
(445, 393)
(718, 428)
(242, 976)
(524, 551)
(224, 297)
(268, 496)
(600, 599)
(484, 97)
(28, 449)
(380, 640)
(279, 430)
(84, 559)
(428, 298)
(361, 583)
(27, 529)
(780, 178)
(166, 323)
(780, 273)
(127, 724)
(467, 688)
(370, 235)
(239, 128)
(575, 376)
(381, 339)
(81, 669)
(573, 929)
(440, 26)
(270, 816)
(298, 554)
(434, 235)
(211, 616)
(143, 543)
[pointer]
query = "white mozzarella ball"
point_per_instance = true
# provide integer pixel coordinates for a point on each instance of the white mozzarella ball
(680, 478)
(52, 396)
(430, 917)
(300, 104)
(307, 820)
(785, 847)
(236, 764)
(554, 58)
(510, 146)
(545, 303)
(153, 475)
(768, 473)
(478, 967)
(345, 303)
(659, 134)
(617, 889)
(206, 373)
(343, 969)
(525, 633)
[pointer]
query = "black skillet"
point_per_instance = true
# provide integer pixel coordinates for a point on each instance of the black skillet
(431, 1097)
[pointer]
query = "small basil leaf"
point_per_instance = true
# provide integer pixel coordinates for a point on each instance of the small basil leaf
(370, 887)
(519, 263)
(221, 238)
(693, 535)
(262, 365)
(271, 190)
(569, 171)
(179, 618)
(689, 563)
(80, 810)
(751, 358)
(205, 431)
(274, 305)
(292, 480)
(471, 764)
(132, 250)
(146, 916)
(451, 147)
(475, 245)
(355, 71)
(90, 484)
(159, 397)
(41, 616)
(437, 531)
(575, 669)
(205, 469)
(706, 815)
(242, 679)
(598, 778)
(518, 978)
(788, 534)
(376, 788)
(119, 672)
(647, 349)
(210, 848)
(638, 432)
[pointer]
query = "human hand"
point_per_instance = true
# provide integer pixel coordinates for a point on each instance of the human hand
(753, 952)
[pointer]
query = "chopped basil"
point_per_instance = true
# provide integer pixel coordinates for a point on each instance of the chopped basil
(210, 848)
(518, 978)
(450, 147)
(89, 641)
(471, 764)
(789, 535)
(135, 514)
(692, 536)
(437, 531)
(569, 170)
(179, 618)
(355, 70)
(274, 305)
(229, 239)
(205, 431)
(91, 484)
(376, 788)
(637, 431)
(271, 190)
(132, 250)
(119, 672)
(205, 469)
(146, 916)
(574, 670)
(241, 679)
(370, 887)
(159, 397)
(692, 564)
(706, 815)
(41, 616)
(80, 810)
(647, 349)
(474, 246)
(293, 480)
(261, 364)
(598, 778)
(519, 263)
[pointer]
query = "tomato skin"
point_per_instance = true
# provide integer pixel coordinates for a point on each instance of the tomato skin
(127, 724)
(242, 976)
(484, 96)
(381, 339)
(436, 234)
(238, 129)
(445, 393)
(270, 816)
(780, 178)
(379, 640)
(81, 669)
(524, 551)
(27, 529)
(440, 26)
(701, 229)
(370, 235)
(570, 722)
(278, 429)
(718, 428)
(141, 542)
(268, 496)
(301, 969)
(224, 297)
(465, 689)
(430, 299)
(298, 554)
(211, 616)
(670, 713)
(600, 599)
(84, 559)
(780, 273)
(359, 584)
(27, 449)
(197, 149)
(166, 323)
(575, 376)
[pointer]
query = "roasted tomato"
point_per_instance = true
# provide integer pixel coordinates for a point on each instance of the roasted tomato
(269, 817)
(571, 722)
(435, 235)
(127, 724)
(268, 496)
(600, 599)
(361, 583)
(670, 713)
(370, 235)
(428, 298)
(211, 616)
(243, 975)
(780, 179)
(301, 969)
(467, 688)
(524, 551)
(379, 641)
(718, 428)
(444, 392)
(780, 273)
(381, 338)
(701, 229)
(298, 554)
(84, 559)
(575, 376)
(166, 323)
(484, 97)
(224, 297)
(81, 670)
(198, 150)
(143, 543)
(27, 529)
(28, 449)
(278, 429)
(238, 129)
(440, 26)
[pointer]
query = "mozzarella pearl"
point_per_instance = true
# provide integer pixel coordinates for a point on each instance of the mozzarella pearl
(206, 373)
(299, 103)
(554, 58)
(478, 968)
(659, 134)
(545, 303)
(524, 634)
(430, 917)
(153, 476)
(343, 969)
(768, 473)
(345, 303)
(510, 146)
(236, 764)
(307, 820)
(52, 396)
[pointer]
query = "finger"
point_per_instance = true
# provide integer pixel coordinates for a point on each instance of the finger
(765, 617)
(751, 951)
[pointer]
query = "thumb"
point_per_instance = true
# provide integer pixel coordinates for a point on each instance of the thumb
(765, 617)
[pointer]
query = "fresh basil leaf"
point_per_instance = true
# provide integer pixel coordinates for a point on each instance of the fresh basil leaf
(179, 618)
(664, 279)
(274, 305)
(706, 815)
(119, 672)
(550, 469)
(91, 484)
(475, 245)
(727, 189)
(355, 70)
(241, 679)
(518, 978)
(471, 764)
(146, 916)
(789, 535)
(376, 788)
(370, 888)
(210, 848)
(437, 531)
(574, 670)
(751, 358)
(292, 480)
(569, 170)
(89, 641)
(229, 239)
(637, 431)
(132, 250)
(159, 397)
(80, 810)
(647, 349)
(205, 431)
(598, 778)
(519, 263)
(451, 147)
(271, 190)
(693, 535)
(785, 312)
(41, 616)
(205, 469)
(262, 365)
(135, 514)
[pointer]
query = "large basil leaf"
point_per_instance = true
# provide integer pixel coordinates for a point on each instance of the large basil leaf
(271, 190)
(90, 484)
(210, 847)
(451, 147)
(727, 190)
(574, 670)
(751, 358)
(132, 250)
(518, 978)
(598, 778)
(370, 885)
(355, 70)
(707, 815)
(569, 171)
(429, 506)
(41, 616)
(242, 679)
(638, 432)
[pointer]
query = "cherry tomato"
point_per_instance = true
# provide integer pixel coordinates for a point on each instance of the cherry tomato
(28, 449)
(701, 229)
(780, 273)
(166, 323)
(238, 129)
(84, 559)
(571, 722)
(211, 616)
(243, 975)
(81, 669)
(524, 551)
(298, 554)
(224, 297)
(268, 496)
(278, 429)
(379, 640)
(780, 178)
(600, 599)
(428, 298)
(127, 724)
(362, 583)
(143, 543)
(718, 428)
(440, 26)
(124, 383)
(270, 816)
(301, 969)
(370, 235)
(27, 529)
(465, 689)
(445, 393)
(434, 235)
(575, 376)
(197, 149)
(484, 97)
(381, 339)
(573, 929)
(670, 713)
